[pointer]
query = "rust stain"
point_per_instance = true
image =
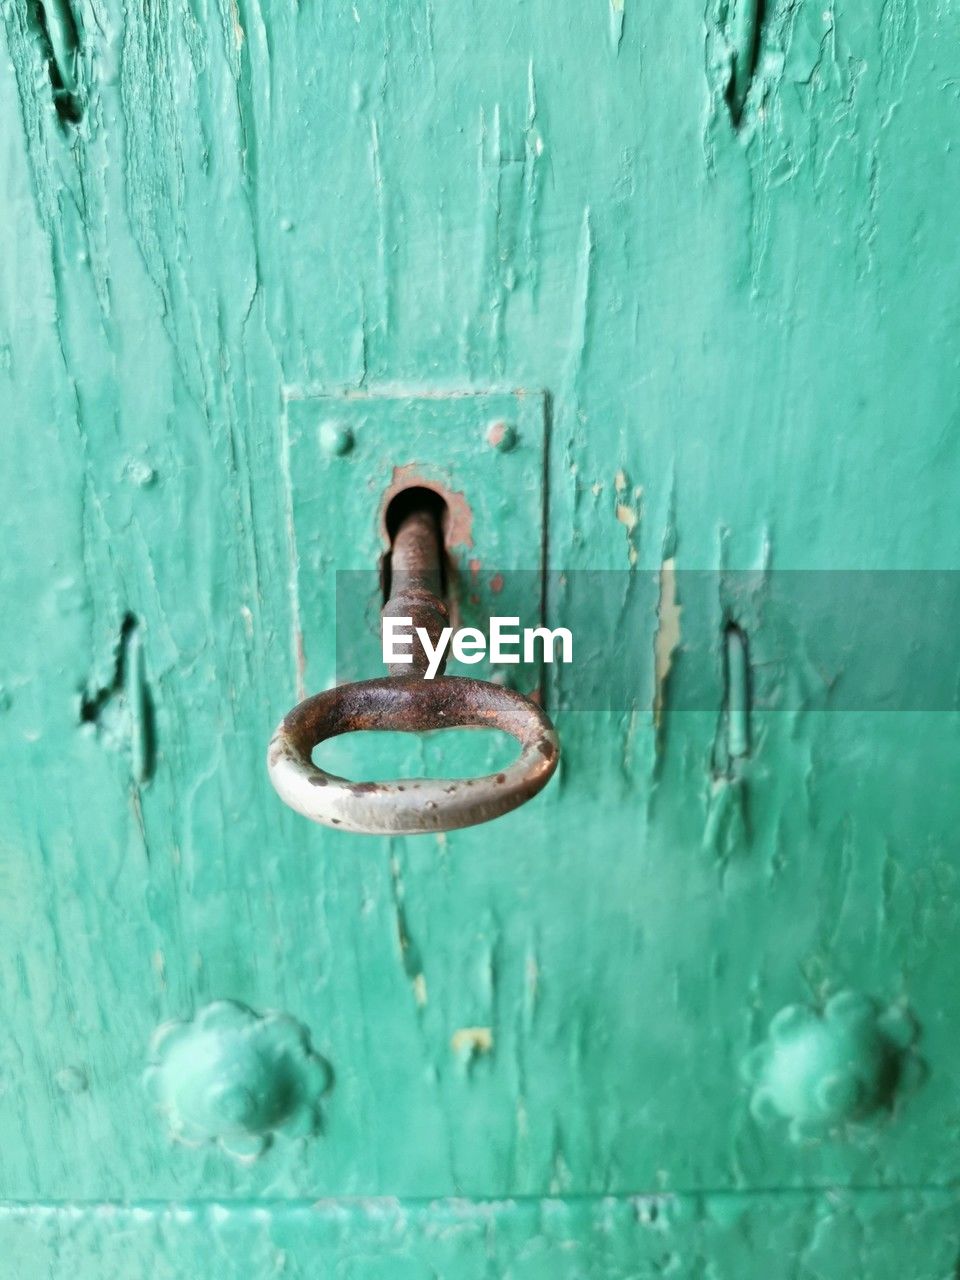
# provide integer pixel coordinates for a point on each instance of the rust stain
(458, 518)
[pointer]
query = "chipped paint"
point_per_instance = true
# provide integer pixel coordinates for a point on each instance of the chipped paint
(472, 1040)
(627, 510)
(667, 639)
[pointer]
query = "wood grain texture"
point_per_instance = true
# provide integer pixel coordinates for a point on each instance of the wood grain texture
(748, 333)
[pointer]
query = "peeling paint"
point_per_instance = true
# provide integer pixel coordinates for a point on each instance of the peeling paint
(470, 1041)
(627, 511)
(667, 639)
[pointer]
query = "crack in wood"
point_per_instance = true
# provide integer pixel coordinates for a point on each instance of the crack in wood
(55, 28)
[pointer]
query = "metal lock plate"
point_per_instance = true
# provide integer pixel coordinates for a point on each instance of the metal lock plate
(349, 454)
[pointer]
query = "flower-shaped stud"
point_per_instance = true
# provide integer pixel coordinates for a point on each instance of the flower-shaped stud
(236, 1077)
(824, 1070)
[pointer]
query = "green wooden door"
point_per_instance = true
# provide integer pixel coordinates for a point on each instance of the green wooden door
(692, 1012)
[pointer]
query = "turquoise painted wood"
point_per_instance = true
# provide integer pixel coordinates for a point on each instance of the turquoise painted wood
(692, 1012)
